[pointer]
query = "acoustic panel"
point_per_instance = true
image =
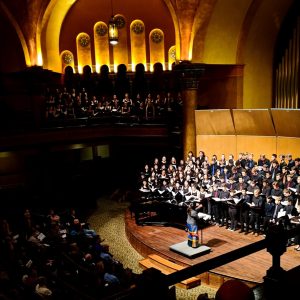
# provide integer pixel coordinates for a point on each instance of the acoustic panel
(216, 144)
(217, 122)
(288, 145)
(253, 122)
(257, 145)
(286, 122)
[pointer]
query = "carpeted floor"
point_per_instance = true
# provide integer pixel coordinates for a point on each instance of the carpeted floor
(108, 221)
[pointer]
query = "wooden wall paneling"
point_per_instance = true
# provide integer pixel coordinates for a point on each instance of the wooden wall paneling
(288, 145)
(256, 145)
(253, 122)
(210, 122)
(216, 144)
(286, 122)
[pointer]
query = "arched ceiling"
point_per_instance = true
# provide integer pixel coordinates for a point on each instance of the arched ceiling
(69, 18)
(230, 32)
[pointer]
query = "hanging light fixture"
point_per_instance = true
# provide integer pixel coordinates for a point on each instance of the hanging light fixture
(113, 34)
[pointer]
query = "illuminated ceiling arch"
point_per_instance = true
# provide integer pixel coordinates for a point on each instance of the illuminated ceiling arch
(54, 17)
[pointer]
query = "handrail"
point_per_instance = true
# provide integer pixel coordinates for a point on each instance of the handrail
(275, 244)
(215, 262)
(274, 238)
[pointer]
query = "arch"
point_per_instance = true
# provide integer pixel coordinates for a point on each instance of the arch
(19, 33)
(176, 25)
(52, 22)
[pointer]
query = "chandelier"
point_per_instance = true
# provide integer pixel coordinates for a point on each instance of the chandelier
(113, 34)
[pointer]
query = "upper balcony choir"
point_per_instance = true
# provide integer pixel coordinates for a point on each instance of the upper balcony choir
(73, 104)
(239, 194)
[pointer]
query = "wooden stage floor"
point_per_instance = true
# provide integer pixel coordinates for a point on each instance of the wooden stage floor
(157, 240)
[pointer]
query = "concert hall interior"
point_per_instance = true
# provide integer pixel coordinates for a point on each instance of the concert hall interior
(81, 117)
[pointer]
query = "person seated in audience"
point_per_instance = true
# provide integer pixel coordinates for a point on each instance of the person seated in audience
(77, 229)
(234, 289)
(42, 288)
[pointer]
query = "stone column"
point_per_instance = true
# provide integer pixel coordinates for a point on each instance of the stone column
(188, 75)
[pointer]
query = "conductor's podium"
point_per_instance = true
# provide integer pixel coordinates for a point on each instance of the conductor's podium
(168, 267)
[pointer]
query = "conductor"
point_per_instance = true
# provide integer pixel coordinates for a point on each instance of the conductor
(192, 227)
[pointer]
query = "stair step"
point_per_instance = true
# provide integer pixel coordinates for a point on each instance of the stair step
(167, 267)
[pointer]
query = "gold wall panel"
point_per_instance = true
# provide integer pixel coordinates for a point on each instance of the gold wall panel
(256, 145)
(138, 44)
(253, 122)
(83, 43)
(288, 145)
(214, 122)
(216, 144)
(157, 48)
(171, 56)
(101, 45)
(120, 51)
(67, 59)
(286, 122)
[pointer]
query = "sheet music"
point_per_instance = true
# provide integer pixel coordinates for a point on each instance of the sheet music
(236, 200)
(41, 236)
(249, 193)
(204, 216)
(293, 189)
(207, 195)
(281, 213)
(144, 190)
(221, 200)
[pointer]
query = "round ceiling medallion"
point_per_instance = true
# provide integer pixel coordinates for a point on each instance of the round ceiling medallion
(156, 36)
(120, 22)
(138, 27)
(84, 40)
(67, 58)
(101, 30)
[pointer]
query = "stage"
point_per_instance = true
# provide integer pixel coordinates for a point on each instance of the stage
(158, 239)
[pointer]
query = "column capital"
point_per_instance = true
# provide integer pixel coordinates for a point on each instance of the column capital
(189, 73)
